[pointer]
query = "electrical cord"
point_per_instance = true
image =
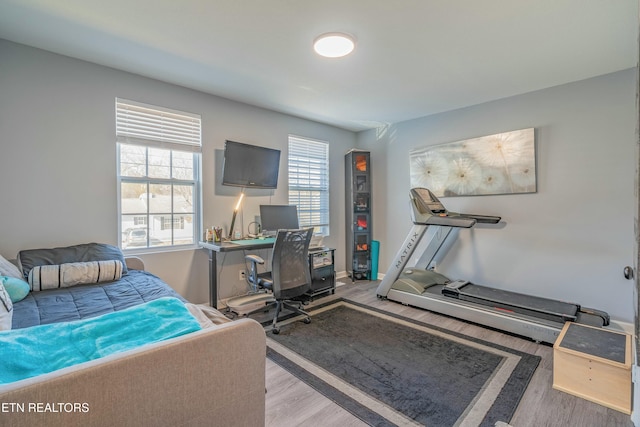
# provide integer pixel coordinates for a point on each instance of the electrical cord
(257, 229)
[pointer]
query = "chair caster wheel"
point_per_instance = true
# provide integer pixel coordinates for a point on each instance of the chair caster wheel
(307, 320)
(275, 331)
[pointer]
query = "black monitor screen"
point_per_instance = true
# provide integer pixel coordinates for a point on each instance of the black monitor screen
(278, 217)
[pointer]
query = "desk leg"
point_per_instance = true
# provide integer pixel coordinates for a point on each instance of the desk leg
(213, 279)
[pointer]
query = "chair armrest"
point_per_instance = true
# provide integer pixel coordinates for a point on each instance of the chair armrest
(254, 258)
(252, 276)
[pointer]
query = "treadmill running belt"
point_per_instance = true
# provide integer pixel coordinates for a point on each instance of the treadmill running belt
(511, 301)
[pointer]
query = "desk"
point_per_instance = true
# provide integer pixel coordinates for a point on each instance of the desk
(320, 263)
(215, 247)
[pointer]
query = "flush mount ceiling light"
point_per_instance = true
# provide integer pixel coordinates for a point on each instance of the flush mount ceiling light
(334, 45)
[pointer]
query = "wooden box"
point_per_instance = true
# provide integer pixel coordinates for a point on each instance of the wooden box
(594, 364)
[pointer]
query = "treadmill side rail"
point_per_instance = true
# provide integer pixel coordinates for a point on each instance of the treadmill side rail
(452, 289)
(537, 329)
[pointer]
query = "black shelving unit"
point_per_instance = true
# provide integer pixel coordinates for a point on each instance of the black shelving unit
(358, 216)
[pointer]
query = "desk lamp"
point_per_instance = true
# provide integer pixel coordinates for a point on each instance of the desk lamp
(235, 212)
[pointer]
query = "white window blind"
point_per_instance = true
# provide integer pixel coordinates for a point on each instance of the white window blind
(309, 182)
(138, 123)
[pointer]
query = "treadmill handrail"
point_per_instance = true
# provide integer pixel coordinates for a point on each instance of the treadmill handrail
(450, 221)
(483, 219)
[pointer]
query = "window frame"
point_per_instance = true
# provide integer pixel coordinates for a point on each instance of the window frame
(307, 208)
(192, 145)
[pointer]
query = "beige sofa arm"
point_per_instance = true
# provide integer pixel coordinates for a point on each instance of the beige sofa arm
(215, 376)
(134, 263)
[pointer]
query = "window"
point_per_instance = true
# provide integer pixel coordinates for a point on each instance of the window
(158, 176)
(309, 182)
(139, 220)
(168, 222)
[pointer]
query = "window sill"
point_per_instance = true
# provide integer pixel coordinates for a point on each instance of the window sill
(159, 249)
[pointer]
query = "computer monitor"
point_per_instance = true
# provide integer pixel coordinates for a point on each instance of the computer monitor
(277, 217)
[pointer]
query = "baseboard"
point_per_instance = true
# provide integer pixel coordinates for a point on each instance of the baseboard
(619, 326)
(635, 404)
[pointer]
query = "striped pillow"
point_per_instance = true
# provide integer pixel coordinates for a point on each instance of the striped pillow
(43, 277)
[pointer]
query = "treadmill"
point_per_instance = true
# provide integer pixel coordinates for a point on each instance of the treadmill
(434, 230)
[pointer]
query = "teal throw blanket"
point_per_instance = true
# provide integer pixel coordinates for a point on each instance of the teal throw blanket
(25, 353)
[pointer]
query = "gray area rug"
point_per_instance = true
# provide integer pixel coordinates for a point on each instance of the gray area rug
(390, 370)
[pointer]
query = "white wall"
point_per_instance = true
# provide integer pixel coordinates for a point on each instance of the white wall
(58, 160)
(571, 239)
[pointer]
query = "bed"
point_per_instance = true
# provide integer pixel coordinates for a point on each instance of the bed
(181, 380)
(85, 301)
(59, 293)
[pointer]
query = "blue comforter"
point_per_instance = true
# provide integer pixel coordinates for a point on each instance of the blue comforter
(25, 353)
(84, 301)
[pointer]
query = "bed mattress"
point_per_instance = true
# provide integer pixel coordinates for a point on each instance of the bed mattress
(85, 301)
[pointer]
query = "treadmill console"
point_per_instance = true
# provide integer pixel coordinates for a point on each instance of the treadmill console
(428, 210)
(426, 201)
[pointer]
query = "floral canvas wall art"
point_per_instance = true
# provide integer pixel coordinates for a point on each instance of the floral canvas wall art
(504, 163)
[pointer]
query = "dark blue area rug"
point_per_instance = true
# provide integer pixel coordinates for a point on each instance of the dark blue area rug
(390, 370)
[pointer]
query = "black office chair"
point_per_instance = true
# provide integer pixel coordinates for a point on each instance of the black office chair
(290, 277)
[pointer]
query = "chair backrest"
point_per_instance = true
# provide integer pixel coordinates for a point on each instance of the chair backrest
(290, 263)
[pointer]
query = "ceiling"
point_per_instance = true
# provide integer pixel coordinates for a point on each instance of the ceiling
(413, 57)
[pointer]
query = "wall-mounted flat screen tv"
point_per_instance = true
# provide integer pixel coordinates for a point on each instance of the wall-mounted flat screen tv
(250, 166)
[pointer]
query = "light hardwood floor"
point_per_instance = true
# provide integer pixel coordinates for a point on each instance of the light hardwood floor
(290, 402)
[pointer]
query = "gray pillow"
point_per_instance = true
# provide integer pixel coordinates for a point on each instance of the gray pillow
(8, 269)
(6, 310)
(27, 259)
